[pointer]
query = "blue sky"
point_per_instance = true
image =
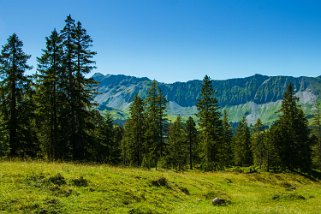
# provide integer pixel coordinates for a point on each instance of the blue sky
(179, 40)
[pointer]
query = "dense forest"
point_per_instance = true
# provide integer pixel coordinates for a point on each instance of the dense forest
(51, 115)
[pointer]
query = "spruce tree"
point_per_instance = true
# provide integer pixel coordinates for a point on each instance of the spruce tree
(105, 146)
(155, 121)
(274, 139)
(16, 95)
(227, 136)
(126, 143)
(115, 152)
(242, 145)
(192, 139)
(210, 126)
(108, 137)
(77, 61)
(258, 144)
(294, 148)
(83, 88)
(98, 147)
(49, 96)
(68, 88)
(4, 146)
(133, 141)
(317, 133)
(177, 144)
(27, 113)
(162, 104)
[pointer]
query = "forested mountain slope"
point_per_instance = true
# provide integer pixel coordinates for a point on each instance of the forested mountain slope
(257, 96)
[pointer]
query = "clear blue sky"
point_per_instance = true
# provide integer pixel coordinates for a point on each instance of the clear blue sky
(179, 40)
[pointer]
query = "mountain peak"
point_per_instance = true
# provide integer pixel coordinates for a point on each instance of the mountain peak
(260, 75)
(97, 74)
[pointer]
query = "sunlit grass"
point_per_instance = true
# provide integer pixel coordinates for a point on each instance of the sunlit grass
(36, 187)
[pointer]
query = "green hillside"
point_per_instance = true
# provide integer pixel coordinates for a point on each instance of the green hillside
(38, 187)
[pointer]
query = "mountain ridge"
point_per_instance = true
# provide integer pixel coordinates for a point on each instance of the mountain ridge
(117, 92)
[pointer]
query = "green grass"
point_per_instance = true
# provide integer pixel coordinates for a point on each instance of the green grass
(39, 187)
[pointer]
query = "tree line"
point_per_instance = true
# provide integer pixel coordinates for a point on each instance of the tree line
(211, 144)
(51, 115)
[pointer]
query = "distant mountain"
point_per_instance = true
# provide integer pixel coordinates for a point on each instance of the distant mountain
(257, 96)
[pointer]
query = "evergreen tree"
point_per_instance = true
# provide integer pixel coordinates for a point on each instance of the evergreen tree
(115, 152)
(227, 136)
(133, 141)
(294, 148)
(210, 126)
(162, 104)
(77, 62)
(97, 149)
(108, 138)
(4, 146)
(16, 95)
(4, 142)
(191, 133)
(126, 143)
(105, 146)
(83, 88)
(317, 133)
(155, 120)
(49, 96)
(258, 144)
(178, 147)
(274, 138)
(68, 87)
(242, 145)
(27, 113)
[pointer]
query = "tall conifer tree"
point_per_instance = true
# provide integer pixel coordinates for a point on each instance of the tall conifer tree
(177, 144)
(49, 96)
(294, 148)
(242, 145)
(16, 95)
(258, 144)
(192, 139)
(227, 136)
(210, 126)
(133, 142)
(317, 133)
(68, 88)
(77, 62)
(155, 121)
(83, 88)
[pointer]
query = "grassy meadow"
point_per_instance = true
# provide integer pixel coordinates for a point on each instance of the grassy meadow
(40, 187)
